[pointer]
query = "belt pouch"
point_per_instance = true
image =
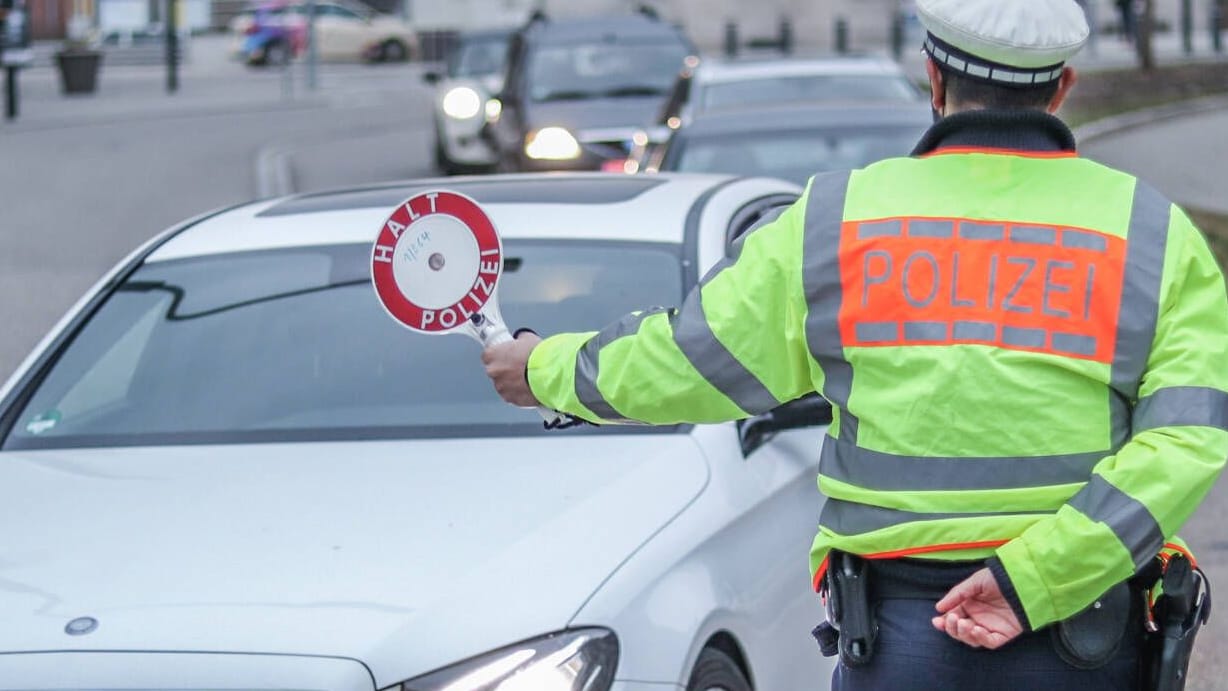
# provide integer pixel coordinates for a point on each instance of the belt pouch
(1089, 639)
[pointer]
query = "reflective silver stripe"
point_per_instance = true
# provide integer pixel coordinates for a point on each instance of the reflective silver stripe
(1140, 294)
(1119, 419)
(851, 518)
(1027, 338)
(879, 229)
(878, 332)
(1182, 406)
(824, 293)
(1034, 235)
(1077, 239)
(925, 331)
(974, 331)
(713, 361)
(1074, 344)
(970, 230)
(931, 229)
(874, 470)
(1129, 520)
(587, 367)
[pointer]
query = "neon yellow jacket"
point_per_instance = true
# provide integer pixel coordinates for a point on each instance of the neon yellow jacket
(1027, 356)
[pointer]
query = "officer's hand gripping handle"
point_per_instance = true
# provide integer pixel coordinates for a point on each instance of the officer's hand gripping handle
(494, 333)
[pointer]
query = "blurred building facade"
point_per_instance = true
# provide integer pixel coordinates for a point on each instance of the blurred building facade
(814, 24)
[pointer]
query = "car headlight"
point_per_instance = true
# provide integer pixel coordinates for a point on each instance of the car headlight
(462, 103)
(551, 144)
(494, 108)
(575, 660)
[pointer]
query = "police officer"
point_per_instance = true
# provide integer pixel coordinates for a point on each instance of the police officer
(1024, 351)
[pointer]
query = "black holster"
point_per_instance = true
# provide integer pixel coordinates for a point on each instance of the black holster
(850, 628)
(1182, 608)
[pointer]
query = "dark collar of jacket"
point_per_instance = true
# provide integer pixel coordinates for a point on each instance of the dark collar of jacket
(1014, 130)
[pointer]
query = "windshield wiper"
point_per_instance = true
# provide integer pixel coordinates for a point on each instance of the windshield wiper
(633, 90)
(568, 96)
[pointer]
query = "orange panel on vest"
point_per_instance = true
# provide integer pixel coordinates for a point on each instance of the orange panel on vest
(941, 281)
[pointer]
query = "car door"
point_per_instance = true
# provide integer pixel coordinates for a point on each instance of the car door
(341, 33)
(767, 466)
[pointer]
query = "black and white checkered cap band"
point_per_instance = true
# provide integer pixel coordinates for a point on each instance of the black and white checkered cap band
(984, 70)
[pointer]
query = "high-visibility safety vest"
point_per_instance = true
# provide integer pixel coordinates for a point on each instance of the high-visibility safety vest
(1027, 355)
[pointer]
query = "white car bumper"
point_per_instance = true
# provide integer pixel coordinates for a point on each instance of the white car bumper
(61, 671)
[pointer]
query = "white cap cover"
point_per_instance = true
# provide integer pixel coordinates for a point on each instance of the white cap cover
(1020, 42)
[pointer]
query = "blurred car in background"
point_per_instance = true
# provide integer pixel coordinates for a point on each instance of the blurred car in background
(473, 71)
(577, 90)
(715, 84)
(275, 32)
(237, 472)
(272, 33)
(792, 142)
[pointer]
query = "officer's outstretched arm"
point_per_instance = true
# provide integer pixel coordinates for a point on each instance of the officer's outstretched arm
(735, 348)
(1139, 497)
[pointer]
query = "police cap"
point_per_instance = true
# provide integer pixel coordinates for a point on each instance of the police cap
(1007, 42)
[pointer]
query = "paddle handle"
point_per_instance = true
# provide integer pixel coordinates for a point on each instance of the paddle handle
(496, 333)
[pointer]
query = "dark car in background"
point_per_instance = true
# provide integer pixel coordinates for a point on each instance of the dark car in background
(578, 89)
(793, 142)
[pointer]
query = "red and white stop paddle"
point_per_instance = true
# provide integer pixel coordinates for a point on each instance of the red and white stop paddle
(436, 266)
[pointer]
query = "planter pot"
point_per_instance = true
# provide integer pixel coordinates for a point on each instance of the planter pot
(78, 70)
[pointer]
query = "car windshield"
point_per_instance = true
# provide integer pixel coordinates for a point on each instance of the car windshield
(807, 89)
(478, 57)
(792, 156)
(603, 70)
(292, 345)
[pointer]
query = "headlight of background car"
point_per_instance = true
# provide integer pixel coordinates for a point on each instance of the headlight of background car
(494, 108)
(576, 660)
(551, 144)
(462, 103)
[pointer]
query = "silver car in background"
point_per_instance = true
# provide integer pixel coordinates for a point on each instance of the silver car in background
(792, 141)
(471, 74)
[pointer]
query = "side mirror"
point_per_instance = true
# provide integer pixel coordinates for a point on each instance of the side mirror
(811, 410)
(431, 77)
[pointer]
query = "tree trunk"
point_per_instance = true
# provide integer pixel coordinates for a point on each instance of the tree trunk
(1146, 26)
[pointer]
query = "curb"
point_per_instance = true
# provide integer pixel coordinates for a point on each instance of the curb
(1114, 124)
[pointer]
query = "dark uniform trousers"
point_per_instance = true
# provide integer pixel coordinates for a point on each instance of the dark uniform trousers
(911, 655)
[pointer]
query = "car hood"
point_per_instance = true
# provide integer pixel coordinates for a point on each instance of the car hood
(631, 112)
(405, 555)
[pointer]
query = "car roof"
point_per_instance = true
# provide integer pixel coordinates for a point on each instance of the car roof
(592, 206)
(710, 71)
(606, 28)
(801, 116)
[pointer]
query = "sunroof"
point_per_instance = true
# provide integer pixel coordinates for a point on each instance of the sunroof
(594, 189)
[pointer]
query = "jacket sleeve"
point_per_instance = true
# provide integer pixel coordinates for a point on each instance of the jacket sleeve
(736, 347)
(1138, 498)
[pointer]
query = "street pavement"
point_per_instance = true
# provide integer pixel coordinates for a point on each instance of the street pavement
(86, 179)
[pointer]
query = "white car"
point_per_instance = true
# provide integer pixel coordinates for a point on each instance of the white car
(226, 467)
(472, 73)
(344, 31)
